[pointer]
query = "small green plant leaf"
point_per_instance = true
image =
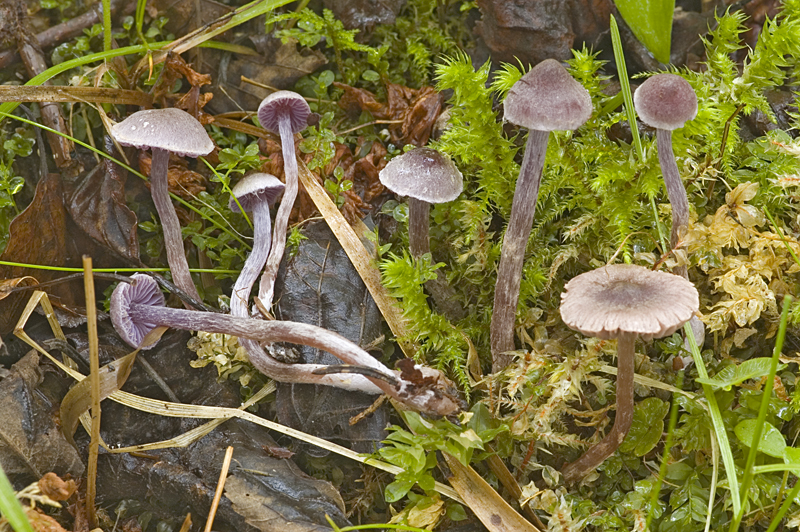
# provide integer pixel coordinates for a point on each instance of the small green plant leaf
(651, 22)
(772, 442)
(648, 425)
(791, 455)
(733, 375)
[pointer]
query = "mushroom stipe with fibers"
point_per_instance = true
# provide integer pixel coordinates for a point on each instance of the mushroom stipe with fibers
(623, 302)
(138, 307)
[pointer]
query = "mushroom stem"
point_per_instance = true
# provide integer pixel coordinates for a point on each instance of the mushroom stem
(262, 228)
(512, 256)
(595, 455)
(418, 227)
(266, 289)
(173, 241)
(675, 189)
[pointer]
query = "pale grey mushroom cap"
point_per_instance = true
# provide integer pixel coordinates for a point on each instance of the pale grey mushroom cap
(280, 102)
(624, 298)
(424, 174)
(256, 188)
(168, 129)
(144, 292)
(665, 101)
(547, 98)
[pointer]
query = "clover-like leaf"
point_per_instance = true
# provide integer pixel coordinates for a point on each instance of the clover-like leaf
(772, 442)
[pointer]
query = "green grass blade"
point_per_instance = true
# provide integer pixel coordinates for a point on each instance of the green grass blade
(716, 421)
(10, 508)
(747, 479)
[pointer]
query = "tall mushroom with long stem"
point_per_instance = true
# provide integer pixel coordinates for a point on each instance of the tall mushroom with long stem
(426, 176)
(545, 99)
(255, 193)
(623, 302)
(666, 102)
(166, 131)
(284, 113)
(138, 307)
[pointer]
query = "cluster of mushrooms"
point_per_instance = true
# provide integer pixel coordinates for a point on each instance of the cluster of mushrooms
(619, 301)
(138, 307)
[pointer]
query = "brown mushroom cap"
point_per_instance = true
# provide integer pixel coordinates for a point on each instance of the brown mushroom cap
(548, 99)
(168, 129)
(279, 103)
(624, 298)
(665, 101)
(424, 174)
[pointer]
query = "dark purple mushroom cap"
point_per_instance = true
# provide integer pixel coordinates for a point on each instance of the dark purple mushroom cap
(168, 129)
(256, 188)
(548, 99)
(280, 102)
(624, 298)
(144, 292)
(424, 174)
(665, 101)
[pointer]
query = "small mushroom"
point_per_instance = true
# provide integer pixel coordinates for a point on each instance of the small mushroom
(138, 307)
(545, 99)
(255, 193)
(284, 113)
(623, 302)
(426, 176)
(666, 102)
(166, 131)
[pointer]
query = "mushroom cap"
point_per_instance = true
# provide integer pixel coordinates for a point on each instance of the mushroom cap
(168, 129)
(624, 298)
(665, 101)
(424, 174)
(548, 99)
(255, 188)
(276, 104)
(143, 292)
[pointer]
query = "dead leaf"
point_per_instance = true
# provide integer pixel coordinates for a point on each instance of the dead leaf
(30, 442)
(43, 523)
(57, 489)
(97, 206)
(78, 398)
(182, 181)
(7, 284)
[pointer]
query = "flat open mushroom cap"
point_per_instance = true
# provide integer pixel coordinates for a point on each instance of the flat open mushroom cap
(279, 103)
(548, 99)
(168, 129)
(665, 101)
(424, 174)
(624, 298)
(256, 188)
(144, 292)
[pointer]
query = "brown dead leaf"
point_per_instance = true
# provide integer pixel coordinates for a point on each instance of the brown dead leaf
(57, 489)
(43, 523)
(417, 109)
(97, 205)
(7, 284)
(40, 235)
(192, 102)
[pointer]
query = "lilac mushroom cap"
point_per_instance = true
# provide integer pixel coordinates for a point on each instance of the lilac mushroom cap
(168, 129)
(144, 291)
(665, 101)
(424, 174)
(280, 103)
(253, 189)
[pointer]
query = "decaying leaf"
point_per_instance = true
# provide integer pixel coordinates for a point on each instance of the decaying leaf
(56, 488)
(30, 442)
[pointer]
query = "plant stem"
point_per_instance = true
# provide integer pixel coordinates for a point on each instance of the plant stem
(512, 256)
